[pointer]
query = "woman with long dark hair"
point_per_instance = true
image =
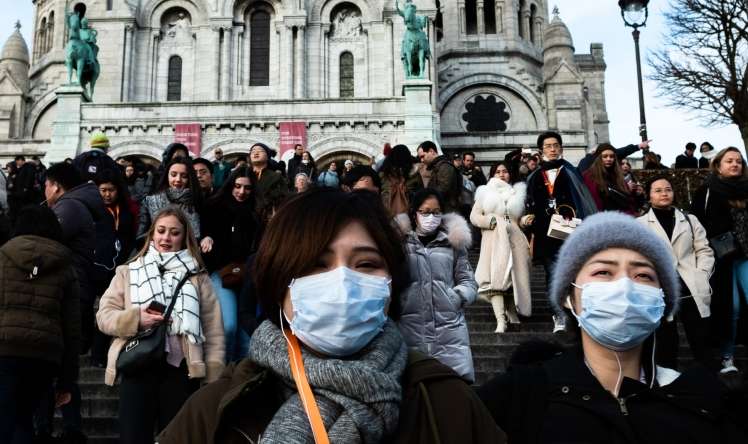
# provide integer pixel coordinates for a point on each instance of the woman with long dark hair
(605, 181)
(721, 205)
(400, 180)
(329, 272)
(177, 186)
(233, 228)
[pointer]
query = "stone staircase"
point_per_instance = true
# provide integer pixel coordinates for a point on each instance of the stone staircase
(491, 353)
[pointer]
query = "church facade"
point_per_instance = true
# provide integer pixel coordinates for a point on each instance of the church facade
(235, 72)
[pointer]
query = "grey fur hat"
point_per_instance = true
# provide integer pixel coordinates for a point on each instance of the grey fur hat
(612, 230)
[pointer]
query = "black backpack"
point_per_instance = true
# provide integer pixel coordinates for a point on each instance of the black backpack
(92, 163)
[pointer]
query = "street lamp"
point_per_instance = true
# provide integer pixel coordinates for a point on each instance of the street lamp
(635, 14)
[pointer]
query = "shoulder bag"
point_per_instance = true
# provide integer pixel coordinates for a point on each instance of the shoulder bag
(724, 245)
(560, 227)
(148, 347)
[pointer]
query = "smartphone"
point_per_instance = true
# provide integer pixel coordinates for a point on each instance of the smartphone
(157, 307)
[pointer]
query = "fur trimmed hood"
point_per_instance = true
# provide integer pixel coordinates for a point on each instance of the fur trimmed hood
(497, 194)
(455, 227)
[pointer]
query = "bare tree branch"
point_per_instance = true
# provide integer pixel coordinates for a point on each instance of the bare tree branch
(703, 66)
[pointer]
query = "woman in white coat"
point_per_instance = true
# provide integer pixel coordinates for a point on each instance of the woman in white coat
(694, 260)
(503, 271)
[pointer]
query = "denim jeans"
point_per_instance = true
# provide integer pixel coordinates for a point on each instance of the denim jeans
(739, 284)
(237, 340)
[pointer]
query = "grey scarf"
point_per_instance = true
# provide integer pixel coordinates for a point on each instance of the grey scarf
(358, 398)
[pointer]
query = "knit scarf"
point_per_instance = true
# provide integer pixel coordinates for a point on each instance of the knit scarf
(358, 397)
(731, 189)
(181, 196)
(155, 275)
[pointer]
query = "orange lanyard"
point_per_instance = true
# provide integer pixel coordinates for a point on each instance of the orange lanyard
(548, 184)
(305, 392)
(115, 215)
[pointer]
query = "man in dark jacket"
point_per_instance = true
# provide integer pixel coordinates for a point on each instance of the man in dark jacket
(294, 162)
(204, 172)
(555, 186)
(687, 159)
(271, 188)
(445, 178)
(82, 214)
(621, 153)
(472, 171)
(40, 322)
(221, 169)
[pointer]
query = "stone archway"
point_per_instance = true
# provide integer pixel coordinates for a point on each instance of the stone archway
(339, 157)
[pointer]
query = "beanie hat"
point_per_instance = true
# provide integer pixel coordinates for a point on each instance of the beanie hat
(99, 140)
(612, 230)
(348, 162)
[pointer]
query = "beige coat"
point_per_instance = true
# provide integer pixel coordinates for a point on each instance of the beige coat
(692, 256)
(504, 251)
(117, 317)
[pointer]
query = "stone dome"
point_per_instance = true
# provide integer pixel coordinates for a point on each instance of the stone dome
(15, 48)
(557, 35)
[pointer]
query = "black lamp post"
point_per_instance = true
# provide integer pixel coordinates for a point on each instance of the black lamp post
(635, 14)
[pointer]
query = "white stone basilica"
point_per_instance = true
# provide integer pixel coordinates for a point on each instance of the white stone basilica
(500, 73)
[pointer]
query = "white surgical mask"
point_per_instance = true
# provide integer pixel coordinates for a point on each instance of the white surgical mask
(427, 224)
(340, 311)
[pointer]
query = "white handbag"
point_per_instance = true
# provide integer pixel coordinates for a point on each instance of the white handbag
(560, 227)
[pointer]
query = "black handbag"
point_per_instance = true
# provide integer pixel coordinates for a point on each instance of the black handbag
(724, 245)
(148, 347)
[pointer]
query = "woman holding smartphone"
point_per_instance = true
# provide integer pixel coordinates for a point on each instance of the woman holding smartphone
(135, 301)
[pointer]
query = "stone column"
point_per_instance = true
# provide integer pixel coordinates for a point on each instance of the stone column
(153, 68)
(286, 58)
(300, 63)
(66, 129)
(226, 63)
(236, 60)
(480, 17)
(127, 64)
(216, 63)
(324, 63)
(390, 52)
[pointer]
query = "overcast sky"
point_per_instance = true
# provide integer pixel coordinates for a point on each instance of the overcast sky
(589, 21)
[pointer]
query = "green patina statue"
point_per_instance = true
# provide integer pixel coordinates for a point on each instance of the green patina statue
(415, 48)
(81, 50)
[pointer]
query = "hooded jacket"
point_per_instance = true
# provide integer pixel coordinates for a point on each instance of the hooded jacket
(442, 283)
(39, 306)
(78, 211)
(504, 253)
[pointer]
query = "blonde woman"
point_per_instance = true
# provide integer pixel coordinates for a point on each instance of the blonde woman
(503, 271)
(135, 301)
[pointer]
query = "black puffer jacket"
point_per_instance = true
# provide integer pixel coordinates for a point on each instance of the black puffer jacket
(39, 311)
(235, 229)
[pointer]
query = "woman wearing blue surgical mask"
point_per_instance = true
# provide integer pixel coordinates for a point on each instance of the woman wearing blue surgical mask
(432, 318)
(329, 287)
(617, 279)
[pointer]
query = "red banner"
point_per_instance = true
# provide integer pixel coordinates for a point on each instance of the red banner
(291, 134)
(189, 134)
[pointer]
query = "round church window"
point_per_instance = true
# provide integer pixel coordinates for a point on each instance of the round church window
(486, 112)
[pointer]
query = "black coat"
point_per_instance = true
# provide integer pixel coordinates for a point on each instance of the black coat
(560, 401)
(537, 198)
(235, 230)
(683, 161)
(715, 216)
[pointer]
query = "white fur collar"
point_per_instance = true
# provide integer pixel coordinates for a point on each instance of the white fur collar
(458, 231)
(497, 197)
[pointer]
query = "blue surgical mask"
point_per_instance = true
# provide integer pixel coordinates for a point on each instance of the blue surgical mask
(620, 314)
(340, 311)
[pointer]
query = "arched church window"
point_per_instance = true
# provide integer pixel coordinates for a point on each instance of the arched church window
(42, 42)
(346, 75)
(471, 17)
(51, 31)
(259, 49)
(486, 112)
(439, 22)
(520, 22)
(109, 5)
(489, 16)
(174, 87)
(533, 15)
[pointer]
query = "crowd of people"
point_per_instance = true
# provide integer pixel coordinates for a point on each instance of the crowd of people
(307, 303)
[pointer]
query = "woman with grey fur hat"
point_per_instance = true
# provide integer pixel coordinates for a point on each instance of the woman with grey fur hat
(617, 279)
